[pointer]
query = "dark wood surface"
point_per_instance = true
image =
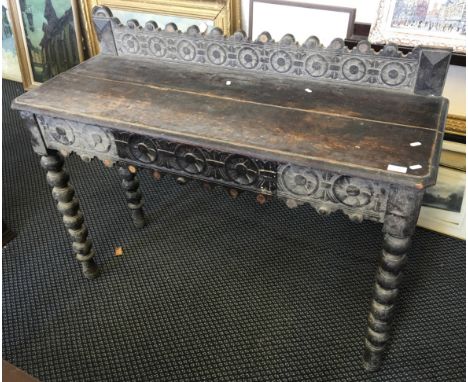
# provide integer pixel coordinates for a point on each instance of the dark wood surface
(355, 129)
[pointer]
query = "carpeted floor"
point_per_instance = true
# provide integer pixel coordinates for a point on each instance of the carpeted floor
(211, 289)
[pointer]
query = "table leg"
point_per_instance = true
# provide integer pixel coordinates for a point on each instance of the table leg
(399, 224)
(131, 185)
(69, 207)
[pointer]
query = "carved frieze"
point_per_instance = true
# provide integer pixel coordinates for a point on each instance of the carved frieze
(336, 62)
(201, 163)
(85, 140)
(387, 68)
(327, 192)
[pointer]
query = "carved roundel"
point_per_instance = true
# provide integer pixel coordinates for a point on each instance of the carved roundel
(352, 192)
(216, 54)
(186, 50)
(299, 180)
(62, 132)
(97, 139)
(393, 74)
(281, 61)
(142, 149)
(157, 47)
(190, 159)
(354, 69)
(248, 58)
(241, 170)
(130, 44)
(316, 65)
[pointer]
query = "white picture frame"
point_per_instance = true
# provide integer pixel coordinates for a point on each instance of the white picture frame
(302, 20)
(405, 23)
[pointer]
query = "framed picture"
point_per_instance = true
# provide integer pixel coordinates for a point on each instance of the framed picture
(206, 14)
(456, 124)
(48, 35)
(300, 19)
(10, 63)
(439, 23)
(453, 155)
(444, 204)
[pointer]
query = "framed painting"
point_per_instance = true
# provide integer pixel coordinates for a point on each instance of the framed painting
(444, 204)
(206, 14)
(10, 63)
(279, 17)
(439, 23)
(48, 35)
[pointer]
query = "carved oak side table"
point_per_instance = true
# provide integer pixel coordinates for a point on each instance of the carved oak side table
(352, 130)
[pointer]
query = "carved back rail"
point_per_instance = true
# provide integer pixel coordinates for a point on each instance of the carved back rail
(422, 71)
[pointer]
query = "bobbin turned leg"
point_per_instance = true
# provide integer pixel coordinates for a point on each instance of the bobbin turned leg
(131, 184)
(69, 207)
(399, 224)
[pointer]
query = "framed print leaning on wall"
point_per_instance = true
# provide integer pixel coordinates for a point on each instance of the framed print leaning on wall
(206, 14)
(444, 205)
(48, 35)
(11, 69)
(439, 23)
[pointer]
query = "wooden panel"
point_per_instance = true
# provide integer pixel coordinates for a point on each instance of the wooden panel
(348, 128)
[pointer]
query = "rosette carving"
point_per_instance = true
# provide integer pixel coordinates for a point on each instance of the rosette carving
(241, 170)
(353, 192)
(142, 149)
(190, 159)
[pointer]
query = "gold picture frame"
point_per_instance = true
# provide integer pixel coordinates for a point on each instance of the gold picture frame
(225, 14)
(24, 58)
(456, 124)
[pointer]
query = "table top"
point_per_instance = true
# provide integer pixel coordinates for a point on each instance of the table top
(357, 130)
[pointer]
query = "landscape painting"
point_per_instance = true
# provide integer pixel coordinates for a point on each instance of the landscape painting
(10, 63)
(443, 207)
(445, 196)
(439, 23)
(50, 35)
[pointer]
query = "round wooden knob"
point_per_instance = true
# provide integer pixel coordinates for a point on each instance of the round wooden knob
(291, 203)
(233, 193)
(324, 210)
(156, 175)
(261, 199)
(357, 218)
(107, 163)
(132, 169)
(181, 180)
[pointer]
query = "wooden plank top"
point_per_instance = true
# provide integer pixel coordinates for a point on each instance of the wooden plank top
(351, 129)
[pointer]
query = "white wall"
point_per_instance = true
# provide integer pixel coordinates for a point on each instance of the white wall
(455, 90)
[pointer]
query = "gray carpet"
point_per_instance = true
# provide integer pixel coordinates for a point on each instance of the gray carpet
(211, 289)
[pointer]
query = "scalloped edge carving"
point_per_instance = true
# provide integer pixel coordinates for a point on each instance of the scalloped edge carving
(388, 68)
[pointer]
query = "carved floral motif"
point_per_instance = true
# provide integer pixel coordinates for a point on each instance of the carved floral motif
(202, 163)
(327, 192)
(70, 136)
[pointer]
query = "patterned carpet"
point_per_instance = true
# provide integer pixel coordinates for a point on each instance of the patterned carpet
(212, 288)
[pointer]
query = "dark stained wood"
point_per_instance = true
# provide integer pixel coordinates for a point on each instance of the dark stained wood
(357, 130)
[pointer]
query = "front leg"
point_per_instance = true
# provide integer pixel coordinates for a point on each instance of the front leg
(400, 221)
(69, 207)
